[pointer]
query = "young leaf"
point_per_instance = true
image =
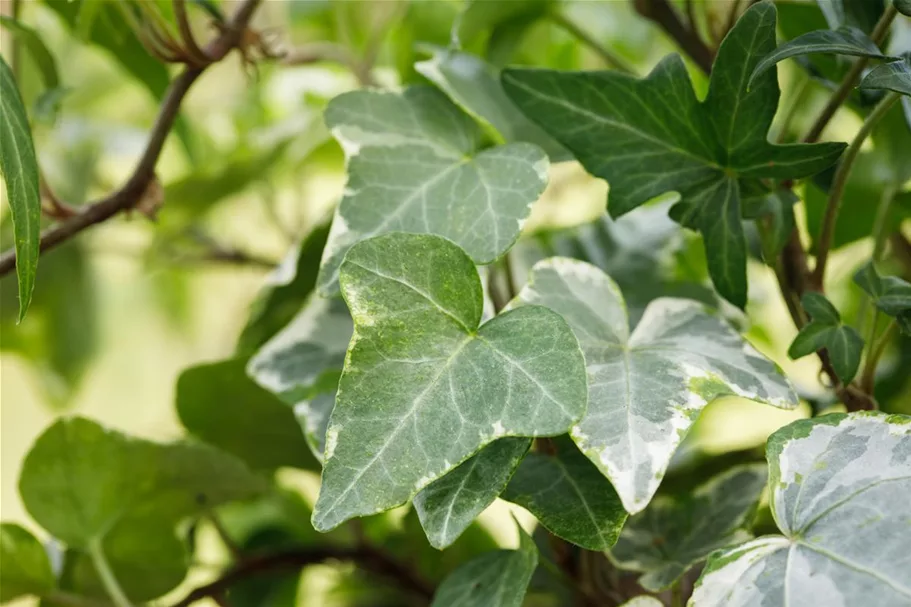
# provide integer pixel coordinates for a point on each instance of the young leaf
(495, 579)
(447, 506)
(424, 388)
(222, 406)
(651, 136)
(43, 58)
(890, 294)
(646, 389)
(825, 330)
(475, 86)
(20, 171)
(676, 532)
(26, 569)
(840, 489)
(893, 76)
(415, 164)
(569, 496)
(843, 41)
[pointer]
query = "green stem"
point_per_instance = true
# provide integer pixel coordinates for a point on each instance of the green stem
(876, 352)
(108, 579)
(847, 85)
(677, 594)
(881, 221)
(837, 190)
(602, 51)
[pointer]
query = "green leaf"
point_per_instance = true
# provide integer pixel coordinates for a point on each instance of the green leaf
(890, 294)
(676, 532)
(313, 416)
(80, 480)
(844, 41)
(647, 388)
(482, 16)
(37, 49)
(449, 505)
(424, 388)
(569, 496)
(861, 14)
(903, 6)
(651, 136)
(415, 164)
(20, 171)
(219, 404)
(893, 76)
(475, 86)
(26, 569)
(840, 489)
(779, 221)
(825, 330)
(495, 579)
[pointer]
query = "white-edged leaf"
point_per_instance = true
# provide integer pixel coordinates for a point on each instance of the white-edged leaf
(676, 532)
(646, 389)
(415, 165)
(424, 388)
(447, 506)
(841, 485)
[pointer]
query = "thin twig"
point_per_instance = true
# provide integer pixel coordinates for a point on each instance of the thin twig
(662, 13)
(144, 174)
(196, 54)
(614, 61)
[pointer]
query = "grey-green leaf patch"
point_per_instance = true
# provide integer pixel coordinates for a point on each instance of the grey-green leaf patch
(495, 579)
(826, 330)
(424, 387)
(26, 569)
(890, 294)
(646, 388)
(415, 164)
(676, 532)
(447, 506)
(569, 496)
(843, 41)
(643, 601)
(651, 136)
(840, 492)
(893, 76)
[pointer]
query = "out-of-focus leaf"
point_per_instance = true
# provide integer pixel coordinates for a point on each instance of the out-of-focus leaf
(903, 6)
(826, 330)
(19, 166)
(221, 405)
(861, 14)
(36, 48)
(892, 76)
(799, 18)
(890, 294)
(26, 570)
(778, 219)
(482, 16)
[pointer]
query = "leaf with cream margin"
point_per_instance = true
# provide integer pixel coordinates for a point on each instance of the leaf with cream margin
(647, 388)
(424, 387)
(840, 486)
(415, 164)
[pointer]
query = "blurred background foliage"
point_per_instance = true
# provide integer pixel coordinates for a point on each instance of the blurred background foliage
(250, 172)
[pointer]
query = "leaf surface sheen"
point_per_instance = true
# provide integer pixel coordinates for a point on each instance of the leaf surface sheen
(26, 568)
(826, 330)
(650, 136)
(647, 388)
(892, 76)
(424, 387)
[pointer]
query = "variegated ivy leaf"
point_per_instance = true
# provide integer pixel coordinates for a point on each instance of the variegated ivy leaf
(447, 506)
(415, 164)
(651, 136)
(840, 492)
(676, 532)
(569, 496)
(495, 579)
(424, 387)
(646, 388)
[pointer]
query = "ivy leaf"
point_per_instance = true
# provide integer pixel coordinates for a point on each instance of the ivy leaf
(893, 76)
(843, 41)
(890, 294)
(415, 164)
(43, 58)
(313, 417)
(569, 496)
(26, 568)
(777, 213)
(19, 166)
(903, 6)
(647, 388)
(448, 506)
(495, 579)
(222, 406)
(424, 388)
(475, 86)
(651, 136)
(830, 477)
(825, 330)
(676, 532)
(643, 601)
(861, 14)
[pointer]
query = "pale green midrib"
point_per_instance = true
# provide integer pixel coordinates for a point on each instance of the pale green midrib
(851, 565)
(444, 533)
(806, 526)
(737, 98)
(12, 118)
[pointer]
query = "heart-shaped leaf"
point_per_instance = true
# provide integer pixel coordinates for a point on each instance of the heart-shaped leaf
(26, 569)
(676, 532)
(569, 496)
(840, 492)
(890, 294)
(651, 136)
(646, 389)
(415, 164)
(424, 388)
(825, 330)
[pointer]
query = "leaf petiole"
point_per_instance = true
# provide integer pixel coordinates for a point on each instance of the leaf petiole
(108, 579)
